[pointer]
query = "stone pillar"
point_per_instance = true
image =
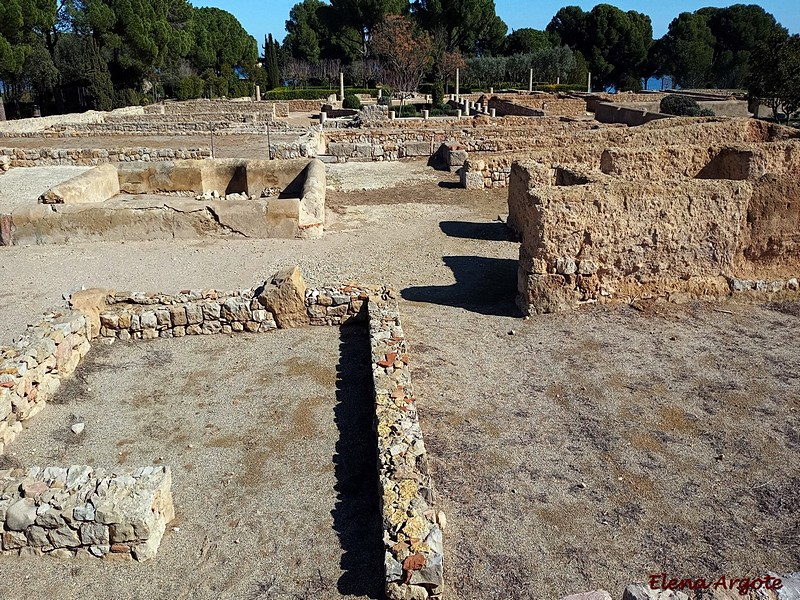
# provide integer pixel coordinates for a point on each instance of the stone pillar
(494, 112)
(341, 86)
(458, 113)
(491, 91)
(380, 93)
(426, 114)
(589, 84)
(391, 115)
(530, 81)
(323, 116)
(258, 93)
(458, 74)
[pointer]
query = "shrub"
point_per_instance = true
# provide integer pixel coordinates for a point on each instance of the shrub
(126, 97)
(437, 93)
(683, 106)
(408, 110)
(351, 101)
(190, 87)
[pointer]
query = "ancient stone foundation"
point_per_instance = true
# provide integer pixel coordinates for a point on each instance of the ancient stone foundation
(163, 200)
(66, 512)
(722, 223)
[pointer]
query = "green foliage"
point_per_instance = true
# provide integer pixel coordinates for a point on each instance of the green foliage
(683, 106)
(614, 43)
(407, 110)
(775, 74)
(526, 41)
(548, 65)
(351, 101)
(190, 87)
(126, 97)
(437, 93)
(471, 26)
(712, 46)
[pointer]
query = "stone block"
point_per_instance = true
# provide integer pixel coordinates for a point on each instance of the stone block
(284, 298)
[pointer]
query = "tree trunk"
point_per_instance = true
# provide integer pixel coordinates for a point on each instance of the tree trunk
(2, 109)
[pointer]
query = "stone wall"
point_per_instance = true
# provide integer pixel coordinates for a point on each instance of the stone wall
(33, 366)
(36, 124)
(204, 105)
(186, 199)
(590, 237)
(413, 528)
(28, 157)
(606, 112)
(506, 108)
(91, 514)
(740, 161)
(80, 512)
(585, 142)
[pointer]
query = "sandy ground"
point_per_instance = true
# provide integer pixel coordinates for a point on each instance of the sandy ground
(586, 450)
(270, 441)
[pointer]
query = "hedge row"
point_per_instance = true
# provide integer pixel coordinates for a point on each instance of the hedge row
(312, 93)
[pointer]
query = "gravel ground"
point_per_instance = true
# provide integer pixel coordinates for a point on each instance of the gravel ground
(586, 450)
(24, 186)
(270, 441)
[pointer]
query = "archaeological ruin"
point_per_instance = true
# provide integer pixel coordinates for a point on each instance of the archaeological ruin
(548, 442)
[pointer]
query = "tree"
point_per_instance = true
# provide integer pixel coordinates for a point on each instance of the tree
(613, 42)
(738, 30)
(471, 26)
(525, 41)
(404, 51)
(303, 31)
(774, 78)
(686, 51)
(270, 63)
(355, 20)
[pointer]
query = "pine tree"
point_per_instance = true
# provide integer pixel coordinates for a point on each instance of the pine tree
(273, 74)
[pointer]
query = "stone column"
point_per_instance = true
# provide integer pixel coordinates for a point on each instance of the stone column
(458, 113)
(458, 73)
(589, 84)
(341, 86)
(530, 81)
(391, 115)
(494, 112)
(491, 91)
(380, 93)
(323, 116)
(426, 114)
(258, 93)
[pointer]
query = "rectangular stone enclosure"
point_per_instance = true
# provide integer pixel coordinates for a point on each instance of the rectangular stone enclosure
(182, 198)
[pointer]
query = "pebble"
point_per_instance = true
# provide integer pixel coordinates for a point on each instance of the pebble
(78, 428)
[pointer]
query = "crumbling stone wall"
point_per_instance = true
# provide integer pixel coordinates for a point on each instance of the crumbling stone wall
(722, 225)
(585, 143)
(40, 157)
(81, 512)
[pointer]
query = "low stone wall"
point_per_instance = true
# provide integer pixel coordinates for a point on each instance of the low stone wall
(606, 112)
(413, 528)
(204, 105)
(311, 106)
(24, 157)
(741, 161)
(36, 124)
(187, 199)
(587, 237)
(80, 512)
(92, 514)
(585, 142)
(33, 366)
(505, 108)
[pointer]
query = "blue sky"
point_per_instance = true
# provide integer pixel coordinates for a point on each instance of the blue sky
(269, 16)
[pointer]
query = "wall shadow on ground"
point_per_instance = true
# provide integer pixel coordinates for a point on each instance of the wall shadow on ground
(356, 515)
(492, 232)
(486, 286)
